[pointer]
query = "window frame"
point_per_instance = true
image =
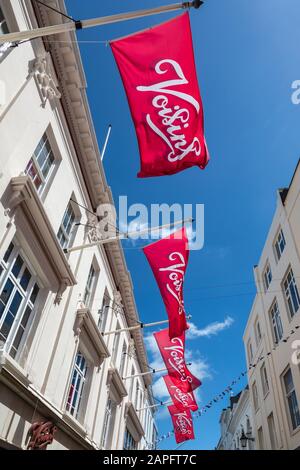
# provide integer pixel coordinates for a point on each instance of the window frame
(278, 250)
(6, 275)
(11, 24)
(264, 380)
(267, 276)
(287, 395)
(274, 314)
(288, 297)
(255, 396)
(129, 442)
(77, 414)
(258, 333)
(91, 284)
(33, 161)
(104, 311)
(69, 237)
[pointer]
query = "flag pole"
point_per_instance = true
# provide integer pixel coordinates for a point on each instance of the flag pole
(152, 371)
(126, 236)
(162, 403)
(139, 326)
(106, 142)
(83, 24)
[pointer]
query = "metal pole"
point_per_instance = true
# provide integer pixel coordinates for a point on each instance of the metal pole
(106, 141)
(153, 371)
(156, 405)
(76, 25)
(139, 326)
(126, 236)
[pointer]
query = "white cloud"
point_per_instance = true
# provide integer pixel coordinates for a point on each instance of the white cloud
(210, 330)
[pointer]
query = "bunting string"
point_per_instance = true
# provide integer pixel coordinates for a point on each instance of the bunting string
(229, 388)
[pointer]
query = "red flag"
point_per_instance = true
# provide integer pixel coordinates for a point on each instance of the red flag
(157, 67)
(168, 259)
(182, 400)
(183, 424)
(172, 351)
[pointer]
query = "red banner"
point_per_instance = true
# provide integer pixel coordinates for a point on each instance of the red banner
(183, 424)
(172, 351)
(157, 67)
(168, 259)
(182, 400)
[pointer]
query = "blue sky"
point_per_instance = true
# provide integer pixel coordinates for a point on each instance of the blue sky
(247, 56)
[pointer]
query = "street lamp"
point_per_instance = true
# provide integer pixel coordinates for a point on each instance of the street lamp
(244, 438)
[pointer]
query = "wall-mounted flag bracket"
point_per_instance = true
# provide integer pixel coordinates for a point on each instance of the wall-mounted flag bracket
(75, 25)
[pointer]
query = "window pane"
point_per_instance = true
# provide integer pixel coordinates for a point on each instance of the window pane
(34, 293)
(3, 25)
(32, 171)
(20, 332)
(10, 316)
(17, 266)
(8, 252)
(26, 276)
(5, 295)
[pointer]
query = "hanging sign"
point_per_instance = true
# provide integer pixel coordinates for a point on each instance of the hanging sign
(182, 400)
(183, 424)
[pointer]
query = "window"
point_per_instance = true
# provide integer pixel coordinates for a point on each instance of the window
(4, 29)
(131, 384)
(41, 164)
(257, 332)
(255, 396)
(261, 439)
(279, 245)
(264, 380)
(123, 359)
(267, 276)
(18, 294)
(272, 432)
(250, 351)
(137, 396)
(291, 293)
(276, 322)
(108, 424)
(103, 312)
(129, 442)
(115, 345)
(291, 399)
(3, 24)
(90, 285)
(77, 385)
(64, 233)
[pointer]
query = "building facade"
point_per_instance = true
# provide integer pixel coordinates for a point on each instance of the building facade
(62, 382)
(236, 422)
(272, 330)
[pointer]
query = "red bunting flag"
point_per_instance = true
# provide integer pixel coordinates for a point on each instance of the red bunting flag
(168, 259)
(182, 400)
(157, 67)
(183, 424)
(172, 351)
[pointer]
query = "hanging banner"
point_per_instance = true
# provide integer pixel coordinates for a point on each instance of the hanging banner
(168, 259)
(157, 67)
(183, 424)
(172, 351)
(182, 400)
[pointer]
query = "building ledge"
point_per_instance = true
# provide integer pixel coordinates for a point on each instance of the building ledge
(74, 424)
(85, 321)
(23, 195)
(133, 422)
(13, 368)
(115, 380)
